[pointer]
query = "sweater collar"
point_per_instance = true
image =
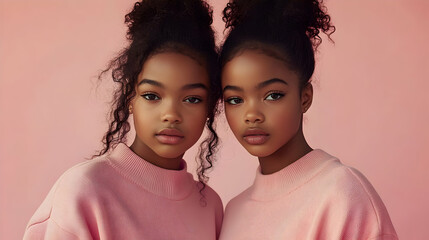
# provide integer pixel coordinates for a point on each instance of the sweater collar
(171, 184)
(288, 179)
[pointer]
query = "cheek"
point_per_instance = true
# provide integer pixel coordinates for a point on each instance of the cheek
(233, 116)
(141, 121)
(144, 115)
(197, 122)
(196, 119)
(288, 119)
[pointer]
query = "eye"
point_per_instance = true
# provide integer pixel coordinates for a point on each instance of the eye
(274, 96)
(193, 100)
(150, 96)
(234, 100)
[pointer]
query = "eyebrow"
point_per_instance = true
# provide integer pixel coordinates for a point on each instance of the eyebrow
(232, 88)
(259, 86)
(271, 81)
(151, 82)
(186, 87)
(194, 86)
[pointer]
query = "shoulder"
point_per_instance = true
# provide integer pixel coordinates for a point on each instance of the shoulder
(212, 197)
(347, 192)
(83, 178)
(67, 199)
(350, 184)
(347, 185)
(79, 181)
(361, 192)
(238, 201)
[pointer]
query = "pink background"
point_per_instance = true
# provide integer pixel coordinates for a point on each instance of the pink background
(371, 106)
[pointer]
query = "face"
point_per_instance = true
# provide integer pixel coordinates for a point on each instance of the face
(263, 104)
(170, 106)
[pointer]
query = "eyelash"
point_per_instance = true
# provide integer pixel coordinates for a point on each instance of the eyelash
(154, 97)
(278, 94)
(149, 94)
(199, 99)
(230, 99)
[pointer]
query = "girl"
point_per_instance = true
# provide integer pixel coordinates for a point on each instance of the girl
(267, 61)
(166, 81)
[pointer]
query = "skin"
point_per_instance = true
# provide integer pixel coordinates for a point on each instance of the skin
(262, 94)
(171, 94)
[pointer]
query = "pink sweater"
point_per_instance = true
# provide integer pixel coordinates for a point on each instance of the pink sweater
(316, 197)
(121, 196)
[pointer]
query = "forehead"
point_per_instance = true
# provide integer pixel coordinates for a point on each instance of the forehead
(252, 67)
(173, 68)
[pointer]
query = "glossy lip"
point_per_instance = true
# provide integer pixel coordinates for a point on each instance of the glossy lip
(169, 136)
(255, 136)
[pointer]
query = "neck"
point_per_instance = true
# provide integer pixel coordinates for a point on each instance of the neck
(293, 150)
(145, 152)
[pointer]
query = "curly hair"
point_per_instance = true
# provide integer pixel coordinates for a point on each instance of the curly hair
(285, 29)
(156, 26)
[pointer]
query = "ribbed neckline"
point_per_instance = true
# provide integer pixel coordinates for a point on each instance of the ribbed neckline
(171, 184)
(270, 187)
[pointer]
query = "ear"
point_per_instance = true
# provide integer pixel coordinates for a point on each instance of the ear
(130, 109)
(131, 106)
(306, 97)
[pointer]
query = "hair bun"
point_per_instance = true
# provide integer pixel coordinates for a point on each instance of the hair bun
(307, 16)
(149, 15)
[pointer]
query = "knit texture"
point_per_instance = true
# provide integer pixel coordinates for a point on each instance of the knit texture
(315, 197)
(121, 196)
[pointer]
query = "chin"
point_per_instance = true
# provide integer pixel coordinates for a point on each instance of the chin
(258, 152)
(170, 150)
(169, 154)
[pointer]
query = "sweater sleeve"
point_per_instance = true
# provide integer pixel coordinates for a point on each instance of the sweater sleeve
(350, 208)
(64, 213)
(48, 230)
(367, 216)
(384, 237)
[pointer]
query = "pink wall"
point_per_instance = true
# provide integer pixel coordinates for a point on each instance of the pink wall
(370, 107)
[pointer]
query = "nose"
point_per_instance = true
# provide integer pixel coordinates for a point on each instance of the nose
(253, 114)
(171, 113)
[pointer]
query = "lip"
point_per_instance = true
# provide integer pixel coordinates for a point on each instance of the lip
(169, 136)
(255, 136)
